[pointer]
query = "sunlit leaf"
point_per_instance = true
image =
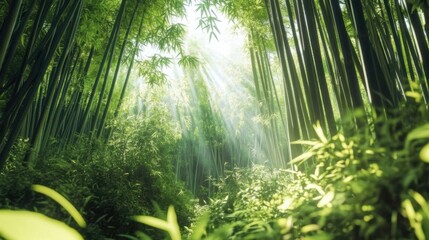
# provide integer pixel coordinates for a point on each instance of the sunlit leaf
(287, 203)
(421, 201)
(367, 208)
(424, 153)
(315, 186)
(414, 218)
(415, 95)
(348, 179)
(319, 131)
(421, 132)
(26, 225)
(286, 224)
(310, 228)
(357, 187)
(326, 199)
(62, 201)
(298, 160)
(306, 142)
(169, 226)
(172, 221)
(152, 221)
(409, 210)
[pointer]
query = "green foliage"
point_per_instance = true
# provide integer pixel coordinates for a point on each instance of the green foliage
(188, 61)
(15, 224)
(354, 187)
(419, 4)
(152, 69)
(62, 201)
(22, 225)
(249, 14)
(169, 226)
(416, 209)
(208, 18)
(246, 203)
(97, 21)
(107, 183)
(366, 182)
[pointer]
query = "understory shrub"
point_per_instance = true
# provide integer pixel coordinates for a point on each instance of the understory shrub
(362, 183)
(107, 183)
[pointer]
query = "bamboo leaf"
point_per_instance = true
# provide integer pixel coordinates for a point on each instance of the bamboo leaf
(310, 228)
(153, 222)
(421, 132)
(319, 132)
(62, 201)
(169, 226)
(301, 158)
(422, 202)
(25, 225)
(327, 199)
(173, 226)
(316, 187)
(306, 142)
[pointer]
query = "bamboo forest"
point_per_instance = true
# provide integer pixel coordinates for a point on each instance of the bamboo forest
(214, 119)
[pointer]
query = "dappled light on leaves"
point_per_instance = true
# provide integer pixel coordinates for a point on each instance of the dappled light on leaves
(214, 119)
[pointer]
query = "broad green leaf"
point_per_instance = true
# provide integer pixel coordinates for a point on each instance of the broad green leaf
(62, 201)
(26, 225)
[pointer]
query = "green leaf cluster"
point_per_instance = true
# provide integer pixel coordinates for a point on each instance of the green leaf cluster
(369, 184)
(106, 183)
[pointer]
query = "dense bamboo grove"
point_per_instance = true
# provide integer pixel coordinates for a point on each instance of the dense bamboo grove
(61, 63)
(374, 53)
(319, 78)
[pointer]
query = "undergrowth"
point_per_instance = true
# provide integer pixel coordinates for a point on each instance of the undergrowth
(362, 183)
(133, 174)
(367, 182)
